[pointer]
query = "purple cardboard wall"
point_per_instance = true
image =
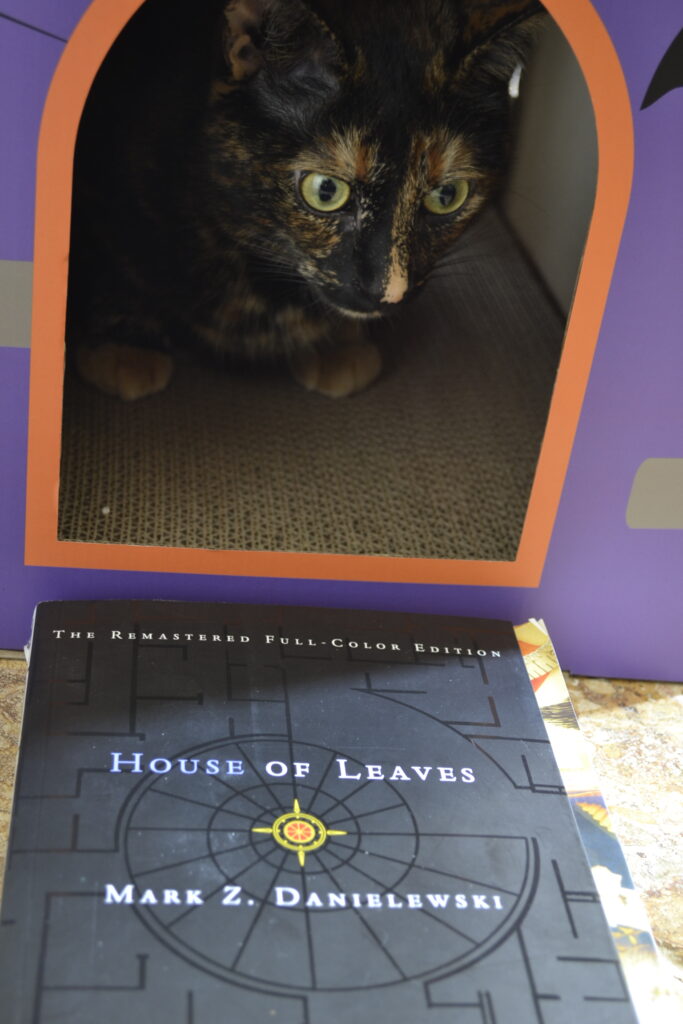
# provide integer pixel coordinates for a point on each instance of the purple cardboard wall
(611, 593)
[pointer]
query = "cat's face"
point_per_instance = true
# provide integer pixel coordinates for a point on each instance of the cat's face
(371, 219)
(370, 134)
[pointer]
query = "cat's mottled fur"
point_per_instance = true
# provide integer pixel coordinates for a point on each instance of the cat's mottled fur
(207, 124)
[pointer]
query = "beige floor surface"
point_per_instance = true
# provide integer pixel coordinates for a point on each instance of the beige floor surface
(436, 460)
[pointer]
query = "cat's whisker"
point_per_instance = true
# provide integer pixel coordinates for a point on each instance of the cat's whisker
(451, 277)
(463, 261)
(454, 269)
(460, 261)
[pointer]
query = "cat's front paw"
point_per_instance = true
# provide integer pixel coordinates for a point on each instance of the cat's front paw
(124, 371)
(339, 372)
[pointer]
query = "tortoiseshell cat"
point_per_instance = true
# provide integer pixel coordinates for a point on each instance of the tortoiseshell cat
(260, 178)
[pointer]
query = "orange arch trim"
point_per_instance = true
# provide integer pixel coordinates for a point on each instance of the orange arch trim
(84, 53)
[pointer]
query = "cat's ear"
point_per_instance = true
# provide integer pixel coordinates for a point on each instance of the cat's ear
(242, 36)
(284, 35)
(497, 36)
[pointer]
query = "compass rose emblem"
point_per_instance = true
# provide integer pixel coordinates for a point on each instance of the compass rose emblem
(300, 832)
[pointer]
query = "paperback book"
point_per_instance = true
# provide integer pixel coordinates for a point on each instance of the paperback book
(244, 814)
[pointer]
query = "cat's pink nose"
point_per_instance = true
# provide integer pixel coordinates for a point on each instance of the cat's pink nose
(382, 289)
(396, 287)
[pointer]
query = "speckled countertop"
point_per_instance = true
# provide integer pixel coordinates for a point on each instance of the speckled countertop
(636, 733)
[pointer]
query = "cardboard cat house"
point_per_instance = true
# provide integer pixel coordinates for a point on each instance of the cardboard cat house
(529, 466)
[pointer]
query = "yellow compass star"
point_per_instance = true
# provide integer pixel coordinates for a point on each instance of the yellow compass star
(300, 832)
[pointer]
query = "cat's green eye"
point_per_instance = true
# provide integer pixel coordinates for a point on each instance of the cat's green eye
(324, 193)
(447, 198)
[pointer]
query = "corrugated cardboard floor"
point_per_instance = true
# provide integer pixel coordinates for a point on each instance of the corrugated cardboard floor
(435, 460)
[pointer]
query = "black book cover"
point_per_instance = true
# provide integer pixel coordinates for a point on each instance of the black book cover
(245, 814)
